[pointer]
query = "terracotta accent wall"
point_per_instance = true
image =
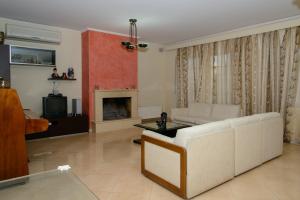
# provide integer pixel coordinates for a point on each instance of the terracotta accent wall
(85, 73)
(105, 65)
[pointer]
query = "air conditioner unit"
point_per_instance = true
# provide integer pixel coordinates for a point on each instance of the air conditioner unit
(32, 34)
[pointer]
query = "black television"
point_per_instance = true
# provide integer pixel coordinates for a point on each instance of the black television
(55, 107)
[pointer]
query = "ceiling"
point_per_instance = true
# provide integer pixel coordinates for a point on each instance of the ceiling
(160, 21)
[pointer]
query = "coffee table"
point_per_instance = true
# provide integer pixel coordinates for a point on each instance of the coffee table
(50, 185)
(169, 131)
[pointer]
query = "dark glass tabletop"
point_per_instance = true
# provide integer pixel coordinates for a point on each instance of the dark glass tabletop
(170, 129)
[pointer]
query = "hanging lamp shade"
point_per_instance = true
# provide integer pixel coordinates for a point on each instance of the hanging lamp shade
(132, 43)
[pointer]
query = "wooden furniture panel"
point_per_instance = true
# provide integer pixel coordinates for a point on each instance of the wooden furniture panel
(13, 126)
(35, 125)
(63, 126)
(180, 191)
(13, 154)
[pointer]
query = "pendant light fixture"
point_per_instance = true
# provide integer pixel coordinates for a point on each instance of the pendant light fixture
(133, 40)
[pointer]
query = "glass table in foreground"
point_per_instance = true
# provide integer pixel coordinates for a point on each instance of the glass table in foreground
(169, 131)
(50, 185)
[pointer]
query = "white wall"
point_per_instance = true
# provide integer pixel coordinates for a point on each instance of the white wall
(156, 74)
(240, 32)
(32, 84)
(169, 84)
(31, 81)
(151, 76)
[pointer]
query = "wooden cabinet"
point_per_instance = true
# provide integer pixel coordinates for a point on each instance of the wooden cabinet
(63, 126)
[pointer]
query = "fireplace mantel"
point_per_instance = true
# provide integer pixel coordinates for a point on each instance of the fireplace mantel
(103, 126)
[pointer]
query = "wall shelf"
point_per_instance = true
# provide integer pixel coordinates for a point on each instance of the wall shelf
(59, 79)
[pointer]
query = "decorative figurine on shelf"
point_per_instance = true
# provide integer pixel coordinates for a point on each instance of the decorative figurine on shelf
(4, 83)
(55, 90)
(64, 76)
(162, 123)
(70, 73)
(55, 75)
(1, 38)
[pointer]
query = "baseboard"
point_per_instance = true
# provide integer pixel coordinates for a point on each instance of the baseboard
(114, 125)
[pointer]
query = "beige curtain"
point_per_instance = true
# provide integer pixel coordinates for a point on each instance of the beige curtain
(222, 72)
(181, 78)
(259, 72)
(203, 73)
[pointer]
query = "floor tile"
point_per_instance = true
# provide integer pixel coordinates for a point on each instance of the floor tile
(109, 164)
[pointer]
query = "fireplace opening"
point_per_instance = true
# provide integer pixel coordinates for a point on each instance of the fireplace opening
(116, 108)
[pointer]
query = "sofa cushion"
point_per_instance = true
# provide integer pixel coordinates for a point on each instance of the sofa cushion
(272, 135)
(240, 121)
(200, 110)
(185, 135)
(224, 111)
(179, 112)
(248, 143)
(187, 119)
(203, 120)
(210, 161)
(268, 115)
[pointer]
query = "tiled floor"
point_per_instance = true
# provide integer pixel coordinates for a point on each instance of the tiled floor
(109, 164)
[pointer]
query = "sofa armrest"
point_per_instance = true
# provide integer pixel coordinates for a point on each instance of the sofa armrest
(158, 136)
(164, 163)
(179, 112)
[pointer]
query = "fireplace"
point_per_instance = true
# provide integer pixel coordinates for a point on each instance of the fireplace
(115, 109)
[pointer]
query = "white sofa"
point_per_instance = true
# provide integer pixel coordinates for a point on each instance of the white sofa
(204, 156)
(248, 143)
(200, 113)
(272, 133)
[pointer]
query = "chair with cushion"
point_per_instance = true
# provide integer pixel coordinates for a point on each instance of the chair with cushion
(13, 126)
